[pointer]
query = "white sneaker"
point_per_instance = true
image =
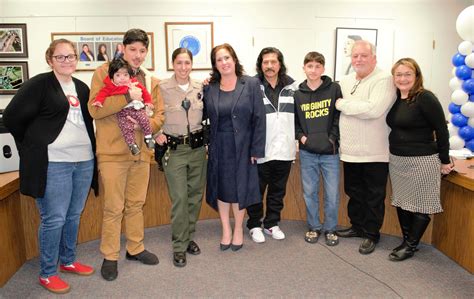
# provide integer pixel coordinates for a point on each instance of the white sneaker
(257, 235)
(275, 232)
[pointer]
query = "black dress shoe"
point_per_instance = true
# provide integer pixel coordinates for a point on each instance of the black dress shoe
(145, 257)
(109, 270)
(367, 246)
(224, 247)
(402, 254)
(236, 247)
(179, 259)
(349, 233)
(193, 248)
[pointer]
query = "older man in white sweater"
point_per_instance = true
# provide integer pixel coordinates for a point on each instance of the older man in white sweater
(368, 95)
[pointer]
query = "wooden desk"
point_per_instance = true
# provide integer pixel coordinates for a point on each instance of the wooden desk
(12, 235)
(451, 231)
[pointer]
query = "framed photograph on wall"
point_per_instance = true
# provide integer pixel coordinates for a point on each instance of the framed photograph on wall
(198, 37)
(95, 48)
(12, 76)
(345, 38)
(13, 42)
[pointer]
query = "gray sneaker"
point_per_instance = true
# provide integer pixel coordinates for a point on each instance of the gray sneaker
(331, 239)
(134, 149)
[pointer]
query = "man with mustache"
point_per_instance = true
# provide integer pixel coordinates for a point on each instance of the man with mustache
(280, 147)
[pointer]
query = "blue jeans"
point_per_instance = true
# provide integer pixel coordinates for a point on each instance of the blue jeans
(67, 187)
(311, 167)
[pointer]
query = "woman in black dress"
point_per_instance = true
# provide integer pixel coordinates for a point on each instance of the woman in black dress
(419, 154)
(237, 138)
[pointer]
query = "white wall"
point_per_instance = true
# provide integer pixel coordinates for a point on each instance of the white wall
(405, 28)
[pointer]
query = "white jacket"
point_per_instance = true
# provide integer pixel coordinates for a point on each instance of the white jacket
(280, 139)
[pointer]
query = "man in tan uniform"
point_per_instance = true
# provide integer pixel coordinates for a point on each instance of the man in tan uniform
(124, 176)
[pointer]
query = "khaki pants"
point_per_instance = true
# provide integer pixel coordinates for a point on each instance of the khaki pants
(125, 187)
(186, 175)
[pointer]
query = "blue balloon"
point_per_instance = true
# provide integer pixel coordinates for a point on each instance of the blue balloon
(466, 133)
(463, 72)
(470, 145)
(459, 120)
(453, 108)
(471, 98)
(468, 86)
(458, 59)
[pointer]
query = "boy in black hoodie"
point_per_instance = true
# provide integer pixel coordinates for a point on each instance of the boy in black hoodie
(317, 130)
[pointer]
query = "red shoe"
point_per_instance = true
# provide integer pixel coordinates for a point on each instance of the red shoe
(54, 284)
(77, 268)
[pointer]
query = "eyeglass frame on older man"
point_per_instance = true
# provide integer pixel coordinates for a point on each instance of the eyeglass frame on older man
(354, 88)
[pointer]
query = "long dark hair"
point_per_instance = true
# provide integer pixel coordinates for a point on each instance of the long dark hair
(215, 75)
(271, 50)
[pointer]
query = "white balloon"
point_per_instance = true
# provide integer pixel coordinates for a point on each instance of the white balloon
(465, 47)
(470, 122)
(465, 24)
(455, 83)
(459, 97)
(467, 109)
(456, 143)
(453, 130)
(453, 71)
(469, 60)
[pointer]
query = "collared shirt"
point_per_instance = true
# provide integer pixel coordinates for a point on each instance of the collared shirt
(273, 93)
(140, 77)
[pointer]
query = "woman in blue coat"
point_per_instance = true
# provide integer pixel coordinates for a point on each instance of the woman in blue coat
(237, 138)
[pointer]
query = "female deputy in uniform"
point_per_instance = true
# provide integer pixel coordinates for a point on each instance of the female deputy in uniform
(419, 154)
(184, 160)
(237, 138)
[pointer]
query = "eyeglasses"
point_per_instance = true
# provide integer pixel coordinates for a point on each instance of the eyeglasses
(62, 58)
(354, 88)
(406, 75)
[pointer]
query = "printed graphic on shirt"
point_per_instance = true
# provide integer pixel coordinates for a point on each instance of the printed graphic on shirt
(75, 114)
(73, 100)
(316, 109)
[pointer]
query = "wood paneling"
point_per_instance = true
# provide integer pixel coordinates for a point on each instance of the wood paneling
(463, 174)
(295, 208)
(158, 206)
(453, 230)
(9, 183)
(12, 245)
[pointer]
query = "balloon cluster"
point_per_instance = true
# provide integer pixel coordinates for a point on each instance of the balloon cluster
(461, 128)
